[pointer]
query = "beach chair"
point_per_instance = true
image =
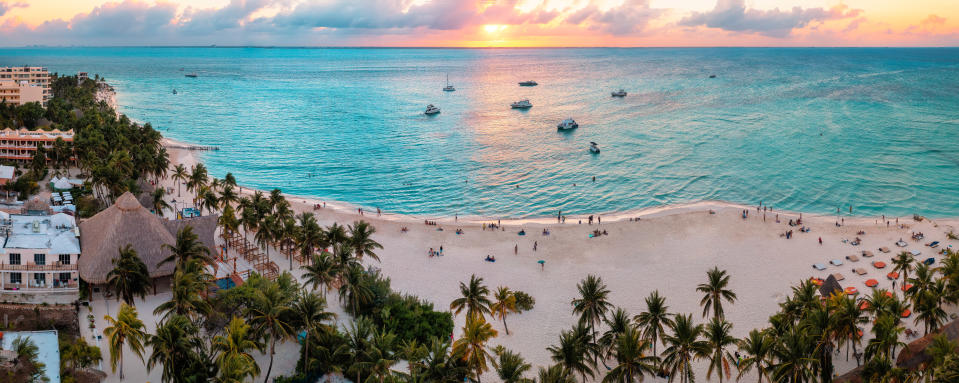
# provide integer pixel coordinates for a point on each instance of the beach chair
(866, 254)
(852, 258)
(838, 276)
(929, 261)
(915, 253)
(836, 262)
(819, 266)
(884, 249)
(859, 271)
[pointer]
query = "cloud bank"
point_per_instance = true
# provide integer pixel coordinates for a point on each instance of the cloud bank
(732, 15)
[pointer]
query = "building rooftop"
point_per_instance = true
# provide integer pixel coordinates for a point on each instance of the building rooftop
(56, 232)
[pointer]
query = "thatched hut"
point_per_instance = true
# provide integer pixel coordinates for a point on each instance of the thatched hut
(128, 222)
(829, 287)
(914, 356)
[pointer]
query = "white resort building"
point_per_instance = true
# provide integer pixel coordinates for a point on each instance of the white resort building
(40, 250)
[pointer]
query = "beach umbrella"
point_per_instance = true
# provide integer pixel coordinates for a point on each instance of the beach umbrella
(542, 262)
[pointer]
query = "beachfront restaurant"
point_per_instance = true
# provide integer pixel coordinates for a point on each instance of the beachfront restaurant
(127, 222)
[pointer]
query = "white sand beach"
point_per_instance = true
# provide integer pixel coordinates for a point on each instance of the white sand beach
(669, 249)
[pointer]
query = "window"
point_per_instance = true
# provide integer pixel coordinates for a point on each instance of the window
(64, 277)
(40, 259)
(64, 259)
(14, 259)
(15, 278)
(40, 278)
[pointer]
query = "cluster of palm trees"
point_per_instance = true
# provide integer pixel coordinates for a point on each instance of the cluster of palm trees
(190, 343)
(797, 346)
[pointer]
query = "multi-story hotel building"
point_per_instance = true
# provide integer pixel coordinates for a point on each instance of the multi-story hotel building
(40, 250)
(20, 92)
(20, 145)
(27, 75)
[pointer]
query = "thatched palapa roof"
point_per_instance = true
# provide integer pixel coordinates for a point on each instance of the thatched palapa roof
(127, 222)
(914, 354)
(830, 286)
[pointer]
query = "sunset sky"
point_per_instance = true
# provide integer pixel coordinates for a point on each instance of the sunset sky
(481, 23)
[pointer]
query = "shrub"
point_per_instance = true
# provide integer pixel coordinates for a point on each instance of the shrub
(524, 302)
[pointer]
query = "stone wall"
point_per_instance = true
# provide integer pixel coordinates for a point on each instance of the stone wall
(29, 317)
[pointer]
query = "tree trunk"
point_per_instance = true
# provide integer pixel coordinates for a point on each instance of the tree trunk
(121, 362)
(504, 325)
(268, 369)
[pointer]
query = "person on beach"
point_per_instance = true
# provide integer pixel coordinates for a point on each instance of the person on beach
(441, 250)
(516, 249)
(535, 243)
(378, 213)
(599, 220)
(820, 241)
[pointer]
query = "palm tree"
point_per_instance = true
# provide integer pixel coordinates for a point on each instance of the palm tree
(414, 353)
(886, 338)
(757, 354)
(473, 299)
(309, 311)
(928, 305)
(617, 323)
(228, 197)
(632, 363)
(198, 178)
(793, 354)
(719, 338)
(334, 235)
(715, 291)
(504, 305)
(511, 366)
(354, 289)
(266, 233)
(321, 273)
(159, 203)
(655, 319)
(356, 348)
(127, 329)
(592, 304)
(186, 247)
(26, 349)
(903, 265)
(233, 351)
(129, 277)
(361, 240)
(179, 175)
(683, 347)
(269, 316)
(574, 351)
(382, 357)
(472, 345)
(555, 374)
(172, 347)
(848, 317)
(188, 284)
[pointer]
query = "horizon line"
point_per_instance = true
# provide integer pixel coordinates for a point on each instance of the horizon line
(462, 47)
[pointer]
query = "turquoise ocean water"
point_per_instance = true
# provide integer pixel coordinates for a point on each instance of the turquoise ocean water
(799, 129)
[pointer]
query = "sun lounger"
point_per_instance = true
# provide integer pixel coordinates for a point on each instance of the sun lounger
(836, 262)
(819, 266)
(852, 258)
(884, 249)
(902, 243)
(838, 276)
(859, 270)
(915, 253)
(867, 253)
(929, 261)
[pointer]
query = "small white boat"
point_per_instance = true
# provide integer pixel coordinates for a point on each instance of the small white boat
(431, 109)
(567, 124)
(619, 93)
(521, 104)
(528, 83)
(593, 148)
(449, 87)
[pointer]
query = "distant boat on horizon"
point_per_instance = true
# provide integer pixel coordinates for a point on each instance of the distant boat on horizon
(619, 93)
(191, 75)
(593, 147)
(521, 104)
(449, 87)
(528, 83)
(431, 110)
(567, 124)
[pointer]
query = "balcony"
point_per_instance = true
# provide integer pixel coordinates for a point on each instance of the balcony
(55, 267)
